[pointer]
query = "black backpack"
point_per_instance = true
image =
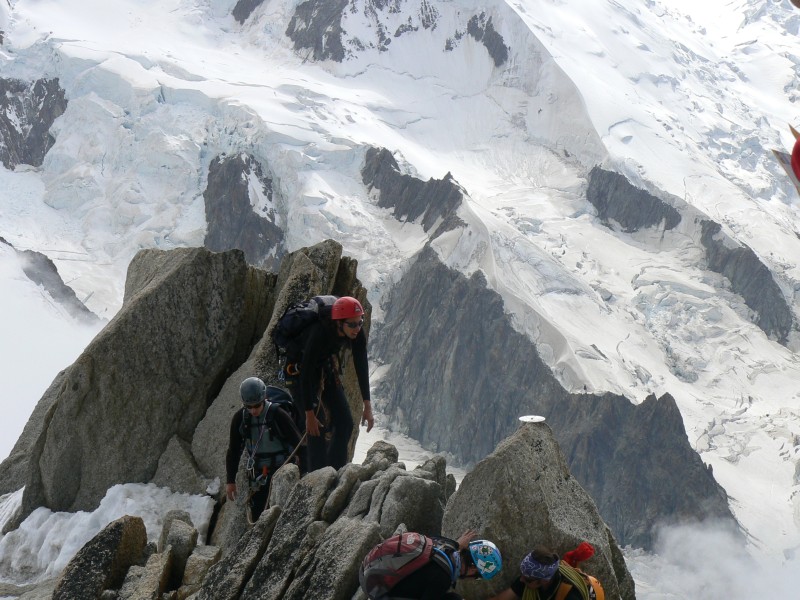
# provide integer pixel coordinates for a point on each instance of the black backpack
(277, 398)
(281, 398)
(287, 333)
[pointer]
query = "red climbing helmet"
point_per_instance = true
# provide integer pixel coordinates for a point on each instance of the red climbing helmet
(346, 307)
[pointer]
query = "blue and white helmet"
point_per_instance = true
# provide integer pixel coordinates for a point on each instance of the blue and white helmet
(486, 557)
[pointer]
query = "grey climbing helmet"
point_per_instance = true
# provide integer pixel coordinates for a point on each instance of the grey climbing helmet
(253, 391)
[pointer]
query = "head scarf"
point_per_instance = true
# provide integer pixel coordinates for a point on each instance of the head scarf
(583, 552)
(530, 567)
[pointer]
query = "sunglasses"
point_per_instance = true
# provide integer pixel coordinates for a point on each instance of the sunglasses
(355, 325)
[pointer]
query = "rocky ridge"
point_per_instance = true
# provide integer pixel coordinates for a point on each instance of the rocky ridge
(312, 539)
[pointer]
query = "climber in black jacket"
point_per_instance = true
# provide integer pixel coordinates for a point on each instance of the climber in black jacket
(269, 436)
(314, 379)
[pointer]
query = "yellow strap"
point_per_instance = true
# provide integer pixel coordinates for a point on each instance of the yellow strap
(563, 590)
(561, 593)
(599, 592)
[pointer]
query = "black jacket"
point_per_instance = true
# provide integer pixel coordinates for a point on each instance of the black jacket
(430, 582)
(283, 426)
(320, 343)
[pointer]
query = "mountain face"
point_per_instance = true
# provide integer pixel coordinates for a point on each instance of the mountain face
(548, 219)
(462, 369)
(43, 272)
(432, 203)
(232, 220)
(27, 111)
(617, 201)
(131, 394)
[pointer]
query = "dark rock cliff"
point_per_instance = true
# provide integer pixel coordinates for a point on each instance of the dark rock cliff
(232, 221)
(27, 111)
(244, 8)
(482, 30)
(317, 26)
(435, 201)
(751, 279)
(459, 376)
(637, 463)
(617, 200)
(42, 271)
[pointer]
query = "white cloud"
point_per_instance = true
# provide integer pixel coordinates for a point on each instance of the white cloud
(39, 339)
(709, 561)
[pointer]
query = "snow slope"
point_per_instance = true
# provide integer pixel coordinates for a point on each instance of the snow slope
(684, 98)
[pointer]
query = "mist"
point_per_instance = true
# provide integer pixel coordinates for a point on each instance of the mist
(710, 561)
(39, 339)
